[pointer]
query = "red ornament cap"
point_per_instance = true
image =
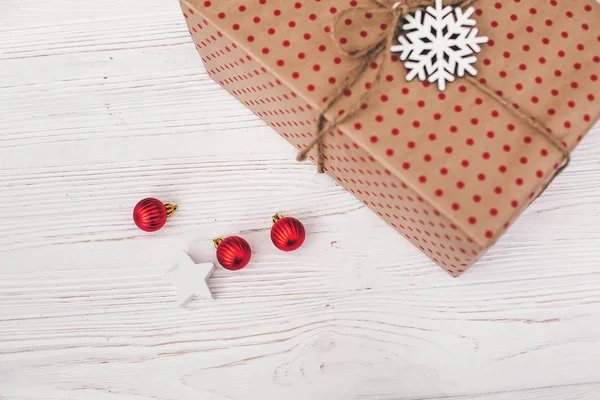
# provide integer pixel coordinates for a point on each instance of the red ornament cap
(287, 233)
(150, 214)
(233, 252)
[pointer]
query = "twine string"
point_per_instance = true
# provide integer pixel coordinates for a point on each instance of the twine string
(369, 54)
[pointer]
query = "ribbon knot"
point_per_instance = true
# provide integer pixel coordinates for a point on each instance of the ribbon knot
(366, 33)
(357, 29)
(363, 33)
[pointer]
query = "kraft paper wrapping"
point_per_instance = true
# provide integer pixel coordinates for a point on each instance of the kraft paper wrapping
(450, 171)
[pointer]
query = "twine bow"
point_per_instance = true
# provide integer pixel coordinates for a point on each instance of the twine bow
(387, 16)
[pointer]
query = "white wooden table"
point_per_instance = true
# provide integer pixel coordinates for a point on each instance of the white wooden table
(103, 103)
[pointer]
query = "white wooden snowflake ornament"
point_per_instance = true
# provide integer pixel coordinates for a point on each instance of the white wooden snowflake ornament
(191, 279)
(439, 44)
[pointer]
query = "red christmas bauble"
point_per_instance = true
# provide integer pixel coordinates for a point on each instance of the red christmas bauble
(287, 233)
(233, 253)
(150, 214)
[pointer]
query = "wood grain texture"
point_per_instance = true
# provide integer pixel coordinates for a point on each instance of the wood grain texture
(102, 104)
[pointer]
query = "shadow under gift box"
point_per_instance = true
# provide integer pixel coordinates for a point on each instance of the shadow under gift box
(450, 171)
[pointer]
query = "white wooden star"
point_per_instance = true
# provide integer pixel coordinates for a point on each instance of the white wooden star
(191, 279)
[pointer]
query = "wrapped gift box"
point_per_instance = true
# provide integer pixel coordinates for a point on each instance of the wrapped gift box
(450, 171)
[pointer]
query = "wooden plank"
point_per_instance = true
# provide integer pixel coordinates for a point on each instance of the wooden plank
(571, 392)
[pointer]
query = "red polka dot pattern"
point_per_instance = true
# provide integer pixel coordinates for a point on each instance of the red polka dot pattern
(551, 70)
(450, 171)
